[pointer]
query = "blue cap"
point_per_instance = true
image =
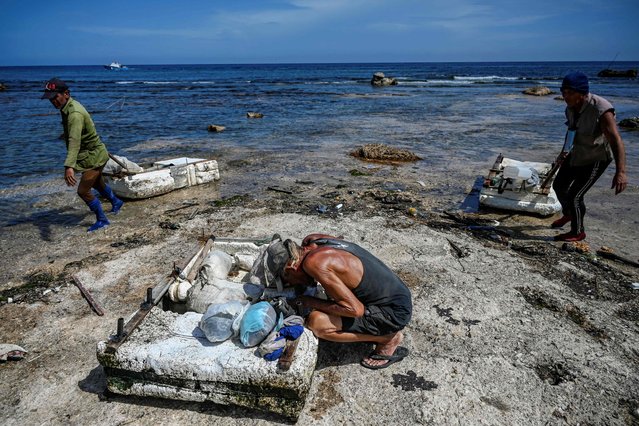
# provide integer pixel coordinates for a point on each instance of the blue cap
(576, 81)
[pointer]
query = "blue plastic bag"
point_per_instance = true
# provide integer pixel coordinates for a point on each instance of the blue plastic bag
(257, 323)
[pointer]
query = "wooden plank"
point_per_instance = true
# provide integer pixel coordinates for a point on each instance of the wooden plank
(493, 171)
(285, 361)
(87, 295)
(195, 267)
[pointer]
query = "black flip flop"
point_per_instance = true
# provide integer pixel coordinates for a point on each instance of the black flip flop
(399, 354)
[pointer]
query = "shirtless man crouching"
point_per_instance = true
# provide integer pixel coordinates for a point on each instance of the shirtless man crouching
(366, 302)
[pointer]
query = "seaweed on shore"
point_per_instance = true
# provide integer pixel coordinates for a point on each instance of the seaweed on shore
(384, 153)
(34, 286)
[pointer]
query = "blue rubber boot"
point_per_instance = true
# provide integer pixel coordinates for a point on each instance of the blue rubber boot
(116, 203)
(100, 218)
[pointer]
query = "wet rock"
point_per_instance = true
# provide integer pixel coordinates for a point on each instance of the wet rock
(380, 80)
(216, 128)
(254, 115)
(538, 91)
(2, 87)
(629, 123)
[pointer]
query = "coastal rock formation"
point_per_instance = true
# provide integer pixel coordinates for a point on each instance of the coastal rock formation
(630, 123)
(538, 91)
(379, 152)
(216, 128)
(617, 73)
(380, 80)
(254, 115)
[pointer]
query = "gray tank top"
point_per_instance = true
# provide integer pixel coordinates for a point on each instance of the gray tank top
(379, 285)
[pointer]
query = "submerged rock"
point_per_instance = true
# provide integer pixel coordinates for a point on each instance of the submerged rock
(2, 87)
(538, 91)
(630, 123)
(380, 152)
(254, 115)
(380, 80)
(216, 128)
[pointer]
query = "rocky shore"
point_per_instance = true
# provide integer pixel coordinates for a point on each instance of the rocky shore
(509, 327)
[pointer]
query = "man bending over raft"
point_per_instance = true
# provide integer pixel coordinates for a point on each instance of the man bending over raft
(367, 301)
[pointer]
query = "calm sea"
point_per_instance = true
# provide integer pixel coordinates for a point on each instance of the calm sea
(442, 111)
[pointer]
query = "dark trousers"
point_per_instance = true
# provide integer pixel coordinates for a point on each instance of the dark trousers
(571, 184)
(90, 179)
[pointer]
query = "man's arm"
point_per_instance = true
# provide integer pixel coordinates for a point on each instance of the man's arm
(330, 271)
(74, 126)
(610, 131)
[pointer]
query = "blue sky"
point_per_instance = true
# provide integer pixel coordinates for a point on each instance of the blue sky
(289, 31)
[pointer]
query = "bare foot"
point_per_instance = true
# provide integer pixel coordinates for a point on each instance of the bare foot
(387, 348)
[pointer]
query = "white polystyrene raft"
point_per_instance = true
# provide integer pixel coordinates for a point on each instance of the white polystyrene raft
(165, 176)
(168, 356)
(524, 197)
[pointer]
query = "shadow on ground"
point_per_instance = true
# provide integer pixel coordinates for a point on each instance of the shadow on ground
(43, 220)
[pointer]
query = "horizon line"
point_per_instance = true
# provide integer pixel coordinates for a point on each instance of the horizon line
(317, 63)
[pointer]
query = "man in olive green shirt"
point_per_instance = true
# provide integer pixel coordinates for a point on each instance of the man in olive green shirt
(85, 151)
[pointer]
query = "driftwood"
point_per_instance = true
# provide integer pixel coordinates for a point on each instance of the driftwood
(87, 295)
(609, 255)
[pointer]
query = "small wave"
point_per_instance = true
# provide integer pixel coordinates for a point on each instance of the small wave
(483, 78)
(150, 82)
(437, 82)
(330, 82)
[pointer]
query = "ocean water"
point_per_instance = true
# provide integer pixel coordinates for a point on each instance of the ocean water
(448, 113)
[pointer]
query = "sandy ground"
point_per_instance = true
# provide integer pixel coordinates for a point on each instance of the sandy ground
(508, 328)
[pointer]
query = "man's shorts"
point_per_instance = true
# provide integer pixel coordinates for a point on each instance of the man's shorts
(375, 321)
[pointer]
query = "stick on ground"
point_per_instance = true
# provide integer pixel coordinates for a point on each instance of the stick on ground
(85, 293)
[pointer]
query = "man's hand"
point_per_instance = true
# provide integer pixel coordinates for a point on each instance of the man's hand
(69, 176)
(619, 182)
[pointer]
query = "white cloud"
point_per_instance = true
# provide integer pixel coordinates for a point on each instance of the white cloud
(146, 32)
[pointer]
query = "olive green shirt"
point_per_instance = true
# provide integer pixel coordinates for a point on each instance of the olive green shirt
(85, 150)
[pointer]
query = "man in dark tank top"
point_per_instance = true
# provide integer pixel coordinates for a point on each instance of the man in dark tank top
(366, 302)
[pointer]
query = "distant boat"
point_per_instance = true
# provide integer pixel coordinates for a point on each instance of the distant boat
(115, 65)
(616, 73)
